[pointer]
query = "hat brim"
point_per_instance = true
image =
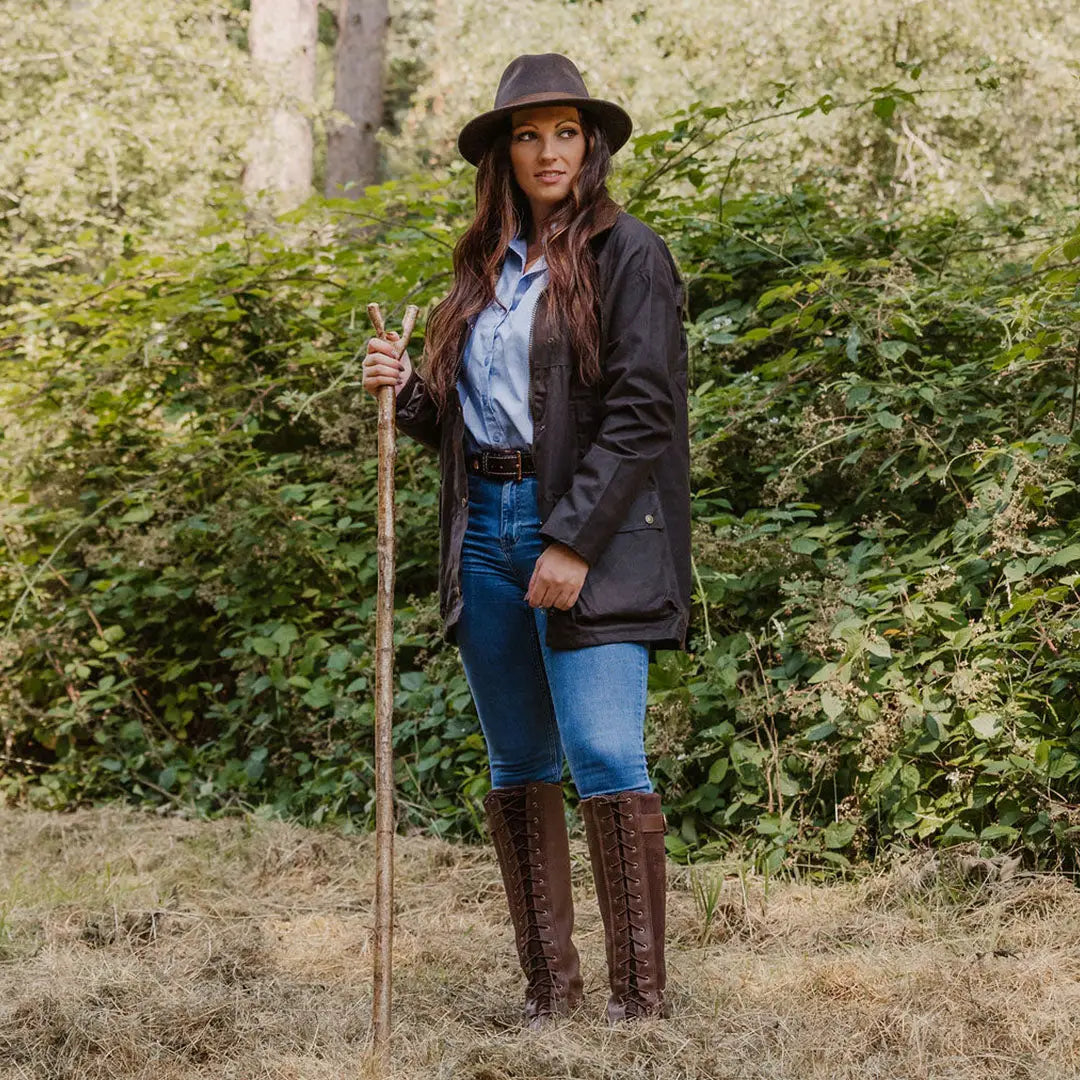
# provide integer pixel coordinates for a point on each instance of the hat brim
(476, 135)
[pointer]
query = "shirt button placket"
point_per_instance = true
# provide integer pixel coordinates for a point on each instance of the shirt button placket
(497, 353)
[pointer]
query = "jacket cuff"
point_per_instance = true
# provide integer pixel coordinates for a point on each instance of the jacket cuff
(407, 392)
(567, 538)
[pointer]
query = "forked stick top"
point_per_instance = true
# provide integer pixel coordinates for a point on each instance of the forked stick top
(408, 324)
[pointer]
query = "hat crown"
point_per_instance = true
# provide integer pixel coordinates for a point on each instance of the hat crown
(539, 79)
(540, 73)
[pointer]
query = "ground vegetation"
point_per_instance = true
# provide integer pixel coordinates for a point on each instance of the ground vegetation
(143, 945)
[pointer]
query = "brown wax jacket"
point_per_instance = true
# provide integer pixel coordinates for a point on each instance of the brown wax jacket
(612, 459)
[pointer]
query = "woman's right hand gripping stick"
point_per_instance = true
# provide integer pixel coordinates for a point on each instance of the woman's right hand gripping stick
(386, 364)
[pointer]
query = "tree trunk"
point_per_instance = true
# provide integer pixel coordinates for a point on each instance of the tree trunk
(282, 35)
(351, 150)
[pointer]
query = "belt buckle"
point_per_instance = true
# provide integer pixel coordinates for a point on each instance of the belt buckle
(518, 452)
(485, 468)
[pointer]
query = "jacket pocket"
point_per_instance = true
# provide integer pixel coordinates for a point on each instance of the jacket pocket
(632, 580)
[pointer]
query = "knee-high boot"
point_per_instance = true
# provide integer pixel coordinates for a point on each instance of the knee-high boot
(626, 847)
(528, 826)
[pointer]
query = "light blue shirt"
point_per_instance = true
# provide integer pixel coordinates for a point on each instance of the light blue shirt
(494, 382)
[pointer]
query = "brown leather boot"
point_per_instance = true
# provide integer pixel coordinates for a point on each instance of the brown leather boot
(528, 826)
(626, 847)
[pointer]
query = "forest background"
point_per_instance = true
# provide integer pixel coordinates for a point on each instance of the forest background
(874, 209)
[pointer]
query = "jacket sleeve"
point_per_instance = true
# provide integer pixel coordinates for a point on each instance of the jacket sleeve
(637, 419)
(416, 413)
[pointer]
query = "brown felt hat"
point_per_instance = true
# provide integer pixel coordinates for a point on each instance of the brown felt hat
(541, 79)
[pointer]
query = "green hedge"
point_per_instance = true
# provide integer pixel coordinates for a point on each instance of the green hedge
(885, 510)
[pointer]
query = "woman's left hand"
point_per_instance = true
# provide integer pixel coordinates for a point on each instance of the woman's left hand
(557, 578)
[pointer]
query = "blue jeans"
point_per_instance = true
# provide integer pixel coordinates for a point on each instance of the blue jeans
(536, 703)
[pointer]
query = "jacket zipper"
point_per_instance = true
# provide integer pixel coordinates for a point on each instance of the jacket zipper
(532, 395)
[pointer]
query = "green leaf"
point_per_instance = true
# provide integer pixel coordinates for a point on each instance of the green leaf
(985, 725)
(1063, 766)
(339, 659)
(780, 292)
(412, 680)
(956, 831)
(889, 421)
(759, 333)
(831, 704)
(868, 710)
(892, 350)
(255, 764)
(836, 859)
(264, 646)
(1066, 555)
(138, 514)
(284, 636)
(1015, 570)
(839, 834)
(276, 672)
(319, 695)
(884, 108)
(718, 770)
(878, 647)
(826, 671)
(999, 832)
(851, 349)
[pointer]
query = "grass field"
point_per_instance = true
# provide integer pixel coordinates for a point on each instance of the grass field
(133, 945)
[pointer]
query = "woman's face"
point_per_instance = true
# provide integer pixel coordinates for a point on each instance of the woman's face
(547, 148)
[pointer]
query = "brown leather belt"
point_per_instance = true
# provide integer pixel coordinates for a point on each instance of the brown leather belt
(501, 464)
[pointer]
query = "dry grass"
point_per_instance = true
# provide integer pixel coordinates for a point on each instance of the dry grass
(138, 946)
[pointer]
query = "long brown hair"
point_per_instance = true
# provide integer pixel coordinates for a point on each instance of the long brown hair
(502, 211)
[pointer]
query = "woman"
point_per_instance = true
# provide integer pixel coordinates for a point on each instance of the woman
(555, 391)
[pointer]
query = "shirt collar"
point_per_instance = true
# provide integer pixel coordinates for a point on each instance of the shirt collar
(519, 246)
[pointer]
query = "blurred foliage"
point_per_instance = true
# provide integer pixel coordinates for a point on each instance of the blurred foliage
(116, 123)
(121, 121)
(999, 79)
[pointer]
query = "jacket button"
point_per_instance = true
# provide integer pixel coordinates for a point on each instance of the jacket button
(464, 500)
(648, 519)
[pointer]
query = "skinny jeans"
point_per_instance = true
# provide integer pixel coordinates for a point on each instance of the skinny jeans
(539, 705)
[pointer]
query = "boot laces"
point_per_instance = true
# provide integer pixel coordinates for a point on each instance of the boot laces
(623, 844)
(530, 900)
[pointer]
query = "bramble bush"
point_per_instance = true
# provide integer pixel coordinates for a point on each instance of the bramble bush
(884, 453)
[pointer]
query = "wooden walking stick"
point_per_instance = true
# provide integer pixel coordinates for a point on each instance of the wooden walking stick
(384, 703)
